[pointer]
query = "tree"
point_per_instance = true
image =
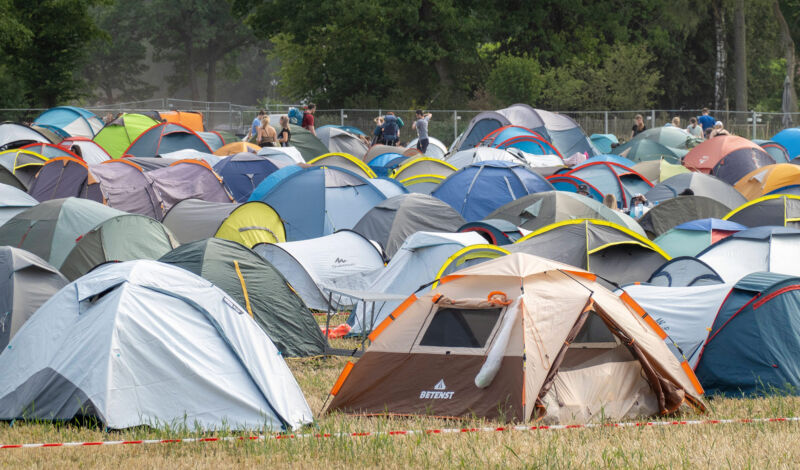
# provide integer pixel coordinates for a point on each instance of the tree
(516, 80)
(721, 53)
(45, 65)
(740, 55)
(787, 44)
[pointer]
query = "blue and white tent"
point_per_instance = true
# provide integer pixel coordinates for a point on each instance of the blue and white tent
(72, 121)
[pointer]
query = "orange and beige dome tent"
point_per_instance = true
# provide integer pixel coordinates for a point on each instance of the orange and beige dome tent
(236, 147)
(519, 337)
(783, 178)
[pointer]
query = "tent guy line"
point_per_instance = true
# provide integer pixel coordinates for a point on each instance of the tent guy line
(262, 437)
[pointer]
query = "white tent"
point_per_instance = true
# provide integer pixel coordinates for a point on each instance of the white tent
(684, 313)
(416, 263)
(144, 343)
(481, 154)
(287, 154)
(13, 201)
(436, 148)
(769, 249)
(343, 259)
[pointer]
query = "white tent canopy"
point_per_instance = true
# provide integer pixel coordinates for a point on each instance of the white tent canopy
(144, 343)
(481, 154)
(768, 249)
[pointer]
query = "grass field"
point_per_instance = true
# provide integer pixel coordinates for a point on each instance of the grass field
(758, 445)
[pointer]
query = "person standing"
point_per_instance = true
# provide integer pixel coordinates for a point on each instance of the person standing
(706, 121)
(390, 129)
(256, 124)
(267, 137)
(718, 130)
(285, 135)
(694, 128)
(308, 118)
(377, 134)
(638, 126)
(421, 125)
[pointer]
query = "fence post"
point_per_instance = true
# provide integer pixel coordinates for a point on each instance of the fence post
(605, 122)
(754, 124)
(455, 125)
(652, 118)
(341, 117)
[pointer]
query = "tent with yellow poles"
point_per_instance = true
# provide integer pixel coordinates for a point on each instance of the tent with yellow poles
(18, 167)
(658, 170)
(616, 254)
(781, 178)
(258, 287)
(236, 147)
(476, 347)
(346, 161)
(775, 209)
(422, 184)
(423, 166)
(248, 224)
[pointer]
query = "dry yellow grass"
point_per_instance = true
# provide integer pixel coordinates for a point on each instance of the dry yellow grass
(757, 445)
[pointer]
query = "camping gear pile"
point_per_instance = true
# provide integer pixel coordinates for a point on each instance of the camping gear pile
(522, 273)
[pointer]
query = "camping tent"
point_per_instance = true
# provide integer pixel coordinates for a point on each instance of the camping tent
(700, 185)
(75, 122)
(613, 252)
(118, 134)
(386, 163)
(395, 219)
(311, 266)
(242, 173)
(309, 146)
(206, 362)
(340, 140)
(125, 237)
(495, 231)
(753, 342)
(166, 137)
(768, 249)
(26, 282)
(436, 148)
(65, 177)
(187, 179)
(728, 158)
(14, 135)
(19, 167)
(790, 140)
(520, 138)
(684, 271)
(475, 155)
(781, 178)
(248, 224)
(317, 201)
(421, 260)
(673, 212)
(191, 119)
(50, 229)
(690, 238)
(538, 210)
(604, 142)
(90, 151)
(659, 170)
(256, 285)
(476, 346)
(667, 142)
(236, 147)
(478, 189)
(776, 150)
(418, 166)
(608, 178)
(13, 201)
(559, 129)
(775, 209)
(287, 155)
(346, 161)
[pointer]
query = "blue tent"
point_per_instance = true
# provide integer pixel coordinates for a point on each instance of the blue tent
(164, 138)
(520, 138)
(610, 157)
(752, 346)
(604, 142)
(385, 163)
(243, 172)
(775, 150)
(69, 120)
(610, 178)
(317, 201)
(572, 184)
(478, 189)
(790, 139)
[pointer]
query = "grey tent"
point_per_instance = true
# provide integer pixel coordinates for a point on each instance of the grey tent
(13, 135)
(773, 209)
(192, 219)
(614, 253)
(675, 211)
(26, 282)
(13, 201)
(18, 167)
(392, 221)
(338, 139)
(534, 211)
(684, 271)
(258, 287)
(126, 237)
(309, 146)
(50, 229)
(701, 185)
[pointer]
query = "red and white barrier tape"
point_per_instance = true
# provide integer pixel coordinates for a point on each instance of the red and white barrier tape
(402, 433)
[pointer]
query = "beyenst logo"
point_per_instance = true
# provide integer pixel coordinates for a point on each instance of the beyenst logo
(438, 392)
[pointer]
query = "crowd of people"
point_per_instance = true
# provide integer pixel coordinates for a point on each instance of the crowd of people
(703, 126)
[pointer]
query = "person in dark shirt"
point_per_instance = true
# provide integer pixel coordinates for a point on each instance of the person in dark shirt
(285, 135)
(308, 118)
(638, 126)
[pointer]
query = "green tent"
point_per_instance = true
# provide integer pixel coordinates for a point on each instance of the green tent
(309, 146)
(50, 229)
(258, 287)
(126, 237)
(642, 150)
(118, 134)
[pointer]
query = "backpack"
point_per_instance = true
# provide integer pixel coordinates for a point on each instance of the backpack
(295, 116)
(390, 127)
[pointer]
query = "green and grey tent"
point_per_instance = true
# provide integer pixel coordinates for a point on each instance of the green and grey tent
(118, 134)
(126, 237)
(675, 211)
(26, 282)
(309, 146)
(50, 229)
(258, 287)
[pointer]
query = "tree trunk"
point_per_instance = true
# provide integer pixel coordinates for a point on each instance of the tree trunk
(190, 69)
(789, 54)
(721, 53)
(740, 55)
(211, 80)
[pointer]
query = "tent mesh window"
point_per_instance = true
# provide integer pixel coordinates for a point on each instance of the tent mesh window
(461, 328)
(594, 339)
